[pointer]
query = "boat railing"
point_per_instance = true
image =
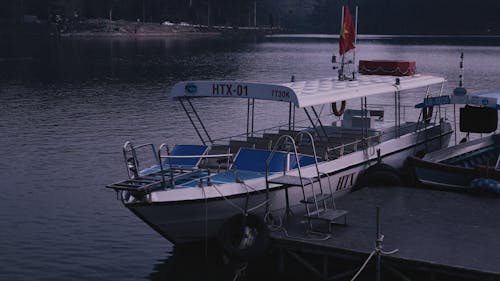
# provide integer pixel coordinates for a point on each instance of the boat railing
(346, 148)
(130, 155)
(263, 131)
(170, 169)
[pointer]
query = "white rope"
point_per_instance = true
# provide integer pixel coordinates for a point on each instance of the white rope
(389, 253)
(240, 272)
(279, 227)
(364, 265)
(324, 238)
(229, 201)
(378, 250)
(206, 221)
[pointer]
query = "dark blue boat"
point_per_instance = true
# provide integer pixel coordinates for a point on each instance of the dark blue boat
(457, 166)
(470, 165)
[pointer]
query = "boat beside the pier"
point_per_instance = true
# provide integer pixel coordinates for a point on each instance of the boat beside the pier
(471, 165)
(193, 190)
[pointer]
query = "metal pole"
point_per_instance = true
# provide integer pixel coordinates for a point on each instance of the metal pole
(143, 10)
(192, 122)
(290, 110)
(199, 120)
(460, 84)
(341, 70)
(255, 13)
(319, 121)
(208, 13)
(248, 117)
(312, 122)
(398, 94)
(342, 20)
(253, 113)
(455, 122)
(378, 244)
(355, 43)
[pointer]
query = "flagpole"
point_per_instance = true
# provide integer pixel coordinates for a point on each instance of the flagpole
(341, 71)
(355, 43)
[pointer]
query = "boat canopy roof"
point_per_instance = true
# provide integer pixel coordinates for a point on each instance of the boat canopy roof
(484, 99)
(304, 93)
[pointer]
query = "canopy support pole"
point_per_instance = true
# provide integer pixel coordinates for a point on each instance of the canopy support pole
(192, 122)
(319, 121)
(199, 120)
(250, 120)
(312, 122)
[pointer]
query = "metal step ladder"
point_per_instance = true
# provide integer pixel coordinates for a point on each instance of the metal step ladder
(318, 199)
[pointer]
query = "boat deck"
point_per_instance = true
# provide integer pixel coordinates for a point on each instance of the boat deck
(435, 230)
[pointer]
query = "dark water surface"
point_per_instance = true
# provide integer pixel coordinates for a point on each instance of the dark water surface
(67, 108)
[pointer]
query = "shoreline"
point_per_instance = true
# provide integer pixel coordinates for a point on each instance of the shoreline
(102, 28)
(107, 28)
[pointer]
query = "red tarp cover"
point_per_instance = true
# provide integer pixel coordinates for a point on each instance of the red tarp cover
(387, 67)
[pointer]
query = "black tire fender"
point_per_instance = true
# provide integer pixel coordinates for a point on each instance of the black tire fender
(379, 174)
(244, 237)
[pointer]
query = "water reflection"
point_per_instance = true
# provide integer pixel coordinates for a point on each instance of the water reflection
(126, 59)
(198, 261)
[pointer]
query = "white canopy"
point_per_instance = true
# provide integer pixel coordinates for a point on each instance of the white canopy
(304, 93)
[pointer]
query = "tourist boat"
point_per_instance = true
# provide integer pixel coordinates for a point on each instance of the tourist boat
(288, 169)
(467, 165)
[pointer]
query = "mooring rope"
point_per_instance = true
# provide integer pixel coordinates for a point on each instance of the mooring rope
(228, 200)
(240, 272)
(206, 221)
(378, 251)
(364, 265)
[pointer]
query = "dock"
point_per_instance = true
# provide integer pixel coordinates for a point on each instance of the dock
(439, 235)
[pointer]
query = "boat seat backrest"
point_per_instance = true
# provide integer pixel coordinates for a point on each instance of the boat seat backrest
(186, 150)
(304, 160)
(249, 159)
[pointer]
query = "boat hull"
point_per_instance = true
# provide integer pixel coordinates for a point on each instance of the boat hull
(455, 167)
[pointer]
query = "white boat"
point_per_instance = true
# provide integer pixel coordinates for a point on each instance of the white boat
(194, 189)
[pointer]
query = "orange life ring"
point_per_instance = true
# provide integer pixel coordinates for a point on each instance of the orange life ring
(337, 112)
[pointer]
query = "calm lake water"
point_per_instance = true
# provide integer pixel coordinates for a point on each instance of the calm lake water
(67, 108)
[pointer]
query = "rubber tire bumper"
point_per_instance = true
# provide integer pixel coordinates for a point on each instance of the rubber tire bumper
(380, 174)
(231, 234)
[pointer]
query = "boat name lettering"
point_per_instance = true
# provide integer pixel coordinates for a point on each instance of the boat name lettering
(280, 94)
(345, 181)
(229, 90)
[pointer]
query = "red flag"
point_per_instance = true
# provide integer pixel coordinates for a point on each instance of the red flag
(347, 33)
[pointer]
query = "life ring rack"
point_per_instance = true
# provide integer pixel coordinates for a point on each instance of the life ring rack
(338, 112)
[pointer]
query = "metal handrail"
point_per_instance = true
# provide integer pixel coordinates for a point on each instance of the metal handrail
(169, 157)
(133, 167)
(268, 161)
(314, 154)
(198, 156)
(169, 164)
